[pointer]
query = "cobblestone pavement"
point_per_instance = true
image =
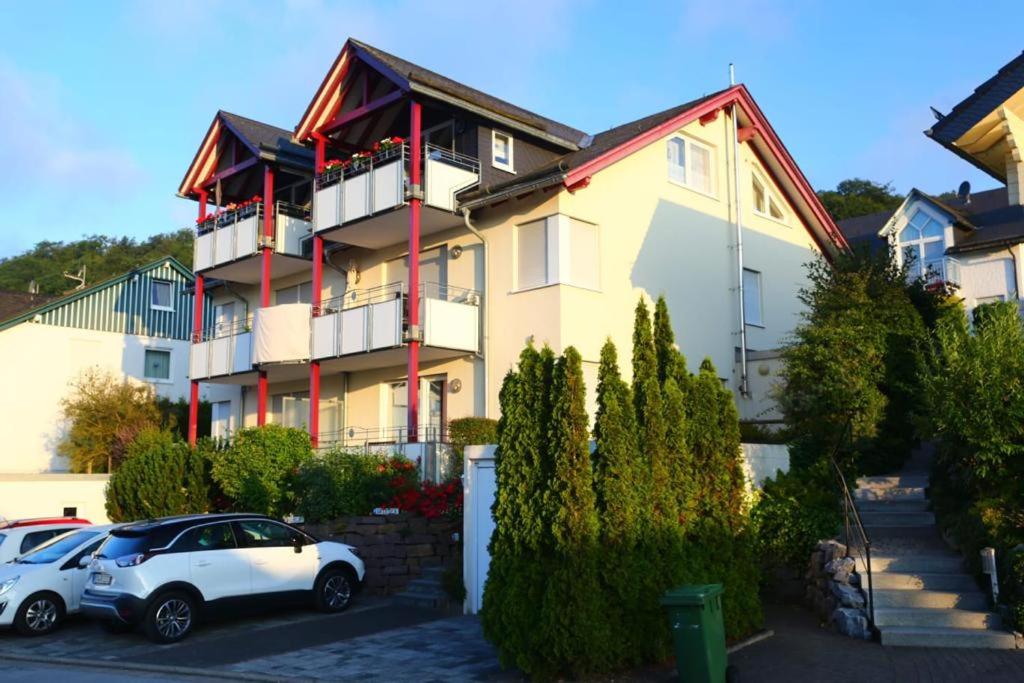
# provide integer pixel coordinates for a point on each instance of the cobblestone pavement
(446, 650)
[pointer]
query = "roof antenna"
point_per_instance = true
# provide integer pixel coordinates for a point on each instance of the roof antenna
(80, 277)
(732, 74)
(963, 192)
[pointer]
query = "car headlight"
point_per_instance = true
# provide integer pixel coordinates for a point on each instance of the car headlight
(8, 584)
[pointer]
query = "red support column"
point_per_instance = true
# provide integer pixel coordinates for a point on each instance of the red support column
(266, 253)
(415, 203)
(197, 333)
(314, 365)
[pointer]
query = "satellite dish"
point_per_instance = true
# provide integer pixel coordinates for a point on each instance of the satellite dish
(964, 192)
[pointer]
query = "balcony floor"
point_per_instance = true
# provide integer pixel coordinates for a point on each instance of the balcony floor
(246, 270)
(390, 227)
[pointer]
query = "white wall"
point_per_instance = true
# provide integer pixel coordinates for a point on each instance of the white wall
(41, 361)
(47, 495)
(763, 461)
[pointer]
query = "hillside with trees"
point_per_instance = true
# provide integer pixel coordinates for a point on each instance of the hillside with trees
(859, 197)
(103, 257)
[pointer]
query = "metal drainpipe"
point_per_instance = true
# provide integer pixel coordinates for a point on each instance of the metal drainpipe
(744, 389)
(487, 308)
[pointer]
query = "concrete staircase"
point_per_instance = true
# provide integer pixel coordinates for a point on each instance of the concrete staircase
(923, 597)
(426, 591)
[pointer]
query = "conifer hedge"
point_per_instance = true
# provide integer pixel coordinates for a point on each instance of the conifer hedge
(587, 540)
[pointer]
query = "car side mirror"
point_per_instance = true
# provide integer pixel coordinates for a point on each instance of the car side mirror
(297, 543)
(85, 561)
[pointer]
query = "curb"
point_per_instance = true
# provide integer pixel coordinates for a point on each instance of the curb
(113, 665)
(756, 638)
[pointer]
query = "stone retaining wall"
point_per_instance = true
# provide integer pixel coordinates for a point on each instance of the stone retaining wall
(833, 590)
(395, 548)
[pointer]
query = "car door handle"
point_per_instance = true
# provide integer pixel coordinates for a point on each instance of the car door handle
(203, 564)
(259, 561)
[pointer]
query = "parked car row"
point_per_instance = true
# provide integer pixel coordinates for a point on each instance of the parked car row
(164, 575)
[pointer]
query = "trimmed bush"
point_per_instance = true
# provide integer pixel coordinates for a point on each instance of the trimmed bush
(259, 472)
(469, 431)
(340, 483)
(158, 477)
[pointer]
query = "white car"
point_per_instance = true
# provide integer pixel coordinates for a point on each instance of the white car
(44, 585)
(165, 574)
(20, 536)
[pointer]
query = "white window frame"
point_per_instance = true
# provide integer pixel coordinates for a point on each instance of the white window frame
(760, 299)
(920, 242)
(297, 287)
(558, 266)
(170, 365)
(770, 198)
(510, 166)
(170, 294)
(686, 182)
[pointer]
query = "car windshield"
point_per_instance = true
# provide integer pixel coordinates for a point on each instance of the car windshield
(57, 547)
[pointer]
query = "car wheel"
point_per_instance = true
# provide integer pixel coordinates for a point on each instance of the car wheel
(334, 590)
(39, 614)
(170, 618)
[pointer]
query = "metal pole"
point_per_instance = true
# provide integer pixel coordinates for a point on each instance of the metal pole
(415, 203)
(197, 331)
(744, 389)
(266, 254)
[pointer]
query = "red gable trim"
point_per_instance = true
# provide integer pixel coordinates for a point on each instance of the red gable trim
(191, 182)
(741, 97)
(304, 130)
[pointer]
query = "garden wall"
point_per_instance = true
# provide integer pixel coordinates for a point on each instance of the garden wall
(395, 548)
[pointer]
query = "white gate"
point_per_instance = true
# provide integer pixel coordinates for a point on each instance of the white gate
(479, 486)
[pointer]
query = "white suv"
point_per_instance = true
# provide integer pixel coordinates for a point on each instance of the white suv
(164, 573)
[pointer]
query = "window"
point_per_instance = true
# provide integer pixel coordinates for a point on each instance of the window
(765, 203)
(56, 548)
(398, 403)
(220, 422)
(433, 271)
(208, 537)
(35, 538)
(296, 294)
(557, 250)
(160, 295)
(157, 364)
(921, 245)
(690, 164)
(261, 534)
(291, 410)
(501, 146)
(752, 301)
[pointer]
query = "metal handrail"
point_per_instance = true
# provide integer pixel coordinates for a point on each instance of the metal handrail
(220, 330)
(850, 506)
(386, 156)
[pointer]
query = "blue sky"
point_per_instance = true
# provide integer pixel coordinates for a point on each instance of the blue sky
(102, 104)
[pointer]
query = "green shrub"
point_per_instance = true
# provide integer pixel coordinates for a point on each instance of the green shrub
(259, 471)
(159, 476)
(753, 432)
(469, 431)
(343, 484)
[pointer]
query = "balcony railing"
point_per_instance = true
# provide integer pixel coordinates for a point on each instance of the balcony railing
(381, 183)
(236, 234)
(222, 349)
(943, 270)
(432, 453)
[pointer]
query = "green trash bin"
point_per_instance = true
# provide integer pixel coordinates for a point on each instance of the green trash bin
(698, 633)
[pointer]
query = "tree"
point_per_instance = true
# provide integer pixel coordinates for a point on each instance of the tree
(260, 470)
(160, 476)
(647, 400)
(664, 341)
(105, 413)
(859, 197)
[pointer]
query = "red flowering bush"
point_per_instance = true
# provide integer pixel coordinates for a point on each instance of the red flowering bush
(428, 499)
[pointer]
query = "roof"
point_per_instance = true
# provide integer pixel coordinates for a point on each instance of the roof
(13, 303)
(863, 230)
(265, 136)
(88, 291)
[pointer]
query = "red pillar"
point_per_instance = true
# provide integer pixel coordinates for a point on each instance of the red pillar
(197, 334)
(266, 253)
(415, 203)
(318, 279)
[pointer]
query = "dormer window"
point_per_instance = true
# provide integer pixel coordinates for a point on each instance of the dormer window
(921, 245)
(765, 202)
(501, 146)
(691, 164)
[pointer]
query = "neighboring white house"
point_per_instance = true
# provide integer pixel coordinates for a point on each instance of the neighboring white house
(136, 325)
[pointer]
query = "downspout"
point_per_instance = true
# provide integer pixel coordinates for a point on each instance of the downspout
(487, 308)
(1013, 257)
(744, 388)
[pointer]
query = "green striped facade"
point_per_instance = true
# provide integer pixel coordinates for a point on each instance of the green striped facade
(124, 305)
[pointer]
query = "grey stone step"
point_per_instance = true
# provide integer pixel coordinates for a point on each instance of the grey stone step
(944, 618)
(917, 636)
(969, 600)
(435, 573)
(412, 598)
(872, 518)
(895, 493)
(425, 586)
(923, 580)
(915, 562)
(893, 480)
(909, 505)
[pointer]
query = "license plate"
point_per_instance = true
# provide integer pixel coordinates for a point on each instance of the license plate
(102, 579)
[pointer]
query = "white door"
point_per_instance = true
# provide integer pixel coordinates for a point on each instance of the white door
(479, 526)
(276, 566)
(221, 424)
(218, 567)
(223, 319)
(74, 577)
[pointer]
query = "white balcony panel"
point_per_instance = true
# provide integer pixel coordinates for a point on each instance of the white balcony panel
(443, 180)
(202, 251)
(199, 367)
(326, 335)
(385, 324)
(290, 233)
(224, 247)
(241, 352)
(353, 330)
(327, 207)
(281, 333)
(356, 201)
(246, 231)
(450, 325)
(387, 186)
(220, 359)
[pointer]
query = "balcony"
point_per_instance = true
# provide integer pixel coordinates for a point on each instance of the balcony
(222, 351)
(945, 270)
(226, 243)
(359, 204)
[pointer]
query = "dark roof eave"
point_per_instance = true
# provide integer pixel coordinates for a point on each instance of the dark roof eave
(513, 191)
(983, 246)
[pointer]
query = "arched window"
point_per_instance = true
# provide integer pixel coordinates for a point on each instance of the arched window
(921, 244)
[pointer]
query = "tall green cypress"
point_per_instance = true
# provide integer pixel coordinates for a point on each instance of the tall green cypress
(573, 628)
(664, 341)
